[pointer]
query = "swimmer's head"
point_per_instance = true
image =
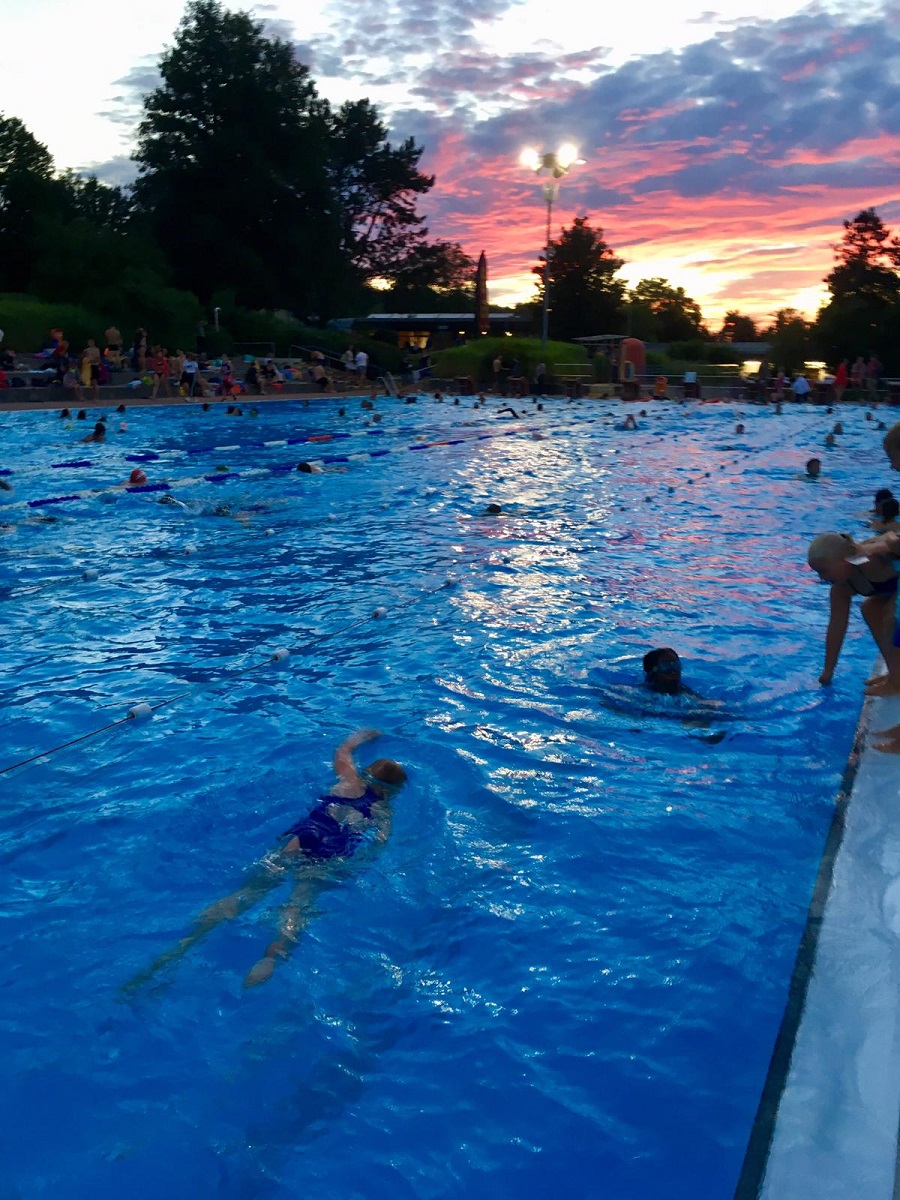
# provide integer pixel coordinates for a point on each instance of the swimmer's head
(305, 467)
(82, 415)
(838, 428)
(99, 430)
(880, 496)
(121, 408)
(662, 670)
(738, 429)
(813, 467)
(494, 509)
(64, 414)
(889, 509)
(385, 775)
(827, 556)
(137, 478)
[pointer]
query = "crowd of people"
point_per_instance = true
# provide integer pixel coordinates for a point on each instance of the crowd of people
(186, 374)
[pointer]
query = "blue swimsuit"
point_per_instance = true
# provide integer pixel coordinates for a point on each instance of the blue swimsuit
(322, 836)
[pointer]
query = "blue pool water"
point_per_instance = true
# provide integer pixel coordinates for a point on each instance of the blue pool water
(565, 972)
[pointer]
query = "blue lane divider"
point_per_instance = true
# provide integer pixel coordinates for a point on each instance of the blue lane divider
(77, 462)
(52, 500)
(258, 472)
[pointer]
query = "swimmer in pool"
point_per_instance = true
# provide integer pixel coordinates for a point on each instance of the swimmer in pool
(662, 675)
(858, 569)
(99, 434)
(352, 820)
(889, 516)
(813, 468)
(662, 671)
(883, 514)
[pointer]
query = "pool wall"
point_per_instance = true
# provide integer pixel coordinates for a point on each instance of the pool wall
(827, 1123)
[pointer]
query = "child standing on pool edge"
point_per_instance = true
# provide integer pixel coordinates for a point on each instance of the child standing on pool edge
(357, 811)
(852, 570)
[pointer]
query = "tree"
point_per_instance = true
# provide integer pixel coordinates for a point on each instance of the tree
(376, 187)
(26, 193)
(231, 153)
(789, 335)
(584, 296)
(253, 182)
(867, 260)
(738, 328)
(658, 312)
(863, 314)
(104, 207)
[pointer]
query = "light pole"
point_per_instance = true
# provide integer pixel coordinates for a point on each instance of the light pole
(556, 163)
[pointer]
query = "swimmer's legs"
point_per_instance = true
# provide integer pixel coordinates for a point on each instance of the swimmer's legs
(225, 909)
(295, 916)
(878, 612)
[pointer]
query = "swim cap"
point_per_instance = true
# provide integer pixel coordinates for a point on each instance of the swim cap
(137, 477)
(827, 547)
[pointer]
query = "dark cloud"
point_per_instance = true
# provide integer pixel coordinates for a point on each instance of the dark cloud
(275, 27)
(119, 171)
(399, 31)
(126, 107)
(772, 131)
(760, 107)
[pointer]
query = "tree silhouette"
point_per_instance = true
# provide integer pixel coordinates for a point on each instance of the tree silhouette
(585, 296)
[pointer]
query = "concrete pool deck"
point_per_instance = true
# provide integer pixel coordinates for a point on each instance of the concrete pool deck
(827, 1124)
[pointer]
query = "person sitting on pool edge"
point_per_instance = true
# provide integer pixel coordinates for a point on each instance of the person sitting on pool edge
(858, 569)
(354, 814)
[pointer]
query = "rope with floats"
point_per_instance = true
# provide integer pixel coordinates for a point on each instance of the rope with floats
(143, 711)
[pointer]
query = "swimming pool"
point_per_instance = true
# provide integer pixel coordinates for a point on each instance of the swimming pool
(567, 969)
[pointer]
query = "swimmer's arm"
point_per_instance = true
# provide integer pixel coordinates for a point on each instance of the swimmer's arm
(344, 766)
(887, 545)
(837, 629)
(384, 819)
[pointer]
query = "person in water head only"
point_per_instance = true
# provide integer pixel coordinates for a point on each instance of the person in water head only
(662, 671)
(858, 569)
(354, 816)
(813, 468)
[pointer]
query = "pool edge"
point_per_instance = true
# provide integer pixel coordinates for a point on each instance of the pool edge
(756, 1157)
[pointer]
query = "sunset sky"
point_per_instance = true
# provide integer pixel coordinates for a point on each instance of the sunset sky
(723, 147)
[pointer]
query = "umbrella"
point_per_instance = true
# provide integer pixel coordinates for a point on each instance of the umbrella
(482, 319)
